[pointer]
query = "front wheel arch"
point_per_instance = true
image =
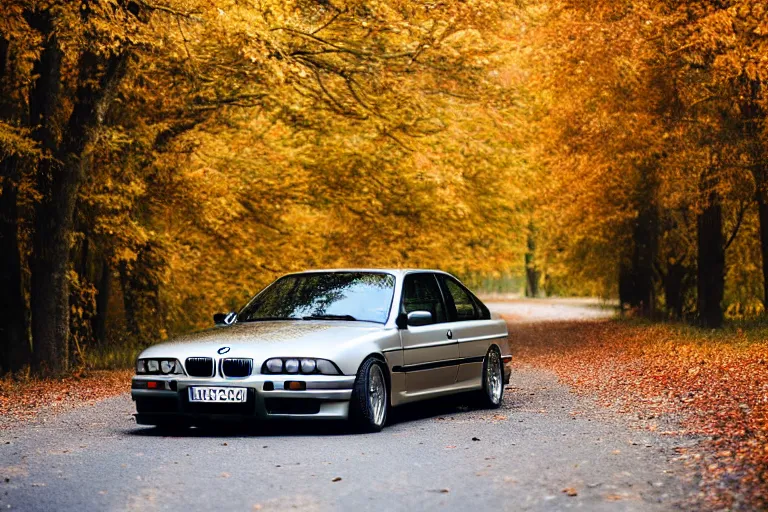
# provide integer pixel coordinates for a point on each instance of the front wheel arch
(362, 413)
(387, 376)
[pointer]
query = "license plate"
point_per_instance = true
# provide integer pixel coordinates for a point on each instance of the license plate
(212, 394)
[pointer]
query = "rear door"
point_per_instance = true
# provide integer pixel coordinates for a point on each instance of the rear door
(430, 353)
(472, 327)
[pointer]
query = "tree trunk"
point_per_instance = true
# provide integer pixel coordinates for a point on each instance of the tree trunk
(15, 353)
(141, 295)
(102, 302)
(59, 179)
(15, 350)
(762, 208)
(49, 301)
(645, 244)
(637, 277)
(50, 270)
(626, 286)
(674, 290)
(711, 263)
(130, 303)
(532, 273)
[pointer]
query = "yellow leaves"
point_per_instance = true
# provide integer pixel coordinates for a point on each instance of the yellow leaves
(254, 138)
(618, 88)
(125, 254)
(17, 141)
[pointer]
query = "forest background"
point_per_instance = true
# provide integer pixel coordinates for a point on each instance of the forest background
(163, 160)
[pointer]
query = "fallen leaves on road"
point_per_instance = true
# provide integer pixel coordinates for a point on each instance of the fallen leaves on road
(24, 399)
(570, 491)
(714, 384)
(336, 479)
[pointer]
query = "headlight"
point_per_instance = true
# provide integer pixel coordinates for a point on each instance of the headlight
(274, 366)
(326, 367)
(305, 366)
(159, 367)
(292, 366)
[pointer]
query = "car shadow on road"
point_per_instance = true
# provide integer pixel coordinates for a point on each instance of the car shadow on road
(430, 409)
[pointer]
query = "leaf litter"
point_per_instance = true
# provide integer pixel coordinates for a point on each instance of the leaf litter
(714, 386)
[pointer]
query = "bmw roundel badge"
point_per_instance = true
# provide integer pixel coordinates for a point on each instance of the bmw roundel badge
(223, 350)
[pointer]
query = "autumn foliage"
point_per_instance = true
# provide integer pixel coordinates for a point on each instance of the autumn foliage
(164, 160)
(650, 128)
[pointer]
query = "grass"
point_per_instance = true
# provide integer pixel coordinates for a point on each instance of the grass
(111, 357)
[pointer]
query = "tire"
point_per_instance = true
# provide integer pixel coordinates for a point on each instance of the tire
(492, 394)
(369, 404)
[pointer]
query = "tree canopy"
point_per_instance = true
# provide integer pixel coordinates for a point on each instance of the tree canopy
(164, 159)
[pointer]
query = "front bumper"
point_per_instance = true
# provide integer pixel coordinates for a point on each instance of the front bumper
(325, 397)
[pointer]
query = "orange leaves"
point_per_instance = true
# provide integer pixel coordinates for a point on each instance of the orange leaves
(25, 399)
(713, 385)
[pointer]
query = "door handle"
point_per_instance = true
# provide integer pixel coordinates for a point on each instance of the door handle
(449, 334)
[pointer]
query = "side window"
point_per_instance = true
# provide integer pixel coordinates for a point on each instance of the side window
(465, 306)
(421, 293)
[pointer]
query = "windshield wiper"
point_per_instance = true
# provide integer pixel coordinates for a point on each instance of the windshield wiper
(268, 318)
(330, 317)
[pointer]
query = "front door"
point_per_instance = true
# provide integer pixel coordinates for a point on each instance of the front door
(430, 352)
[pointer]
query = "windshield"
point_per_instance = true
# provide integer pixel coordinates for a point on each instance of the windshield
(365, 296)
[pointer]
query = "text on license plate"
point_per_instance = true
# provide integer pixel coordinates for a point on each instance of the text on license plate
(212, 394)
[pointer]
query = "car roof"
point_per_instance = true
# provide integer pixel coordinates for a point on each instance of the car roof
(397, 271)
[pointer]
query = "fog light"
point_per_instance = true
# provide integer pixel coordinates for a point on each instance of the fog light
(292, 366)
(308, 365)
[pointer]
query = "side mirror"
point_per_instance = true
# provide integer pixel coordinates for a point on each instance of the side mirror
(225, 318)
(418, 318)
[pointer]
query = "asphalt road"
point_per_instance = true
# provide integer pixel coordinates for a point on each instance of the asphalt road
(439, 455)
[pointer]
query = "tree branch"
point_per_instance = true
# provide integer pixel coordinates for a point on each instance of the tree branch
(739, 219)
(169, 10)
(329, 23)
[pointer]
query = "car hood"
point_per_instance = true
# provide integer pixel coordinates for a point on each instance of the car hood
(262, 340)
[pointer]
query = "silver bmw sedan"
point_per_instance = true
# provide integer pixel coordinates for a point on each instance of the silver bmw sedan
(329, 344)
